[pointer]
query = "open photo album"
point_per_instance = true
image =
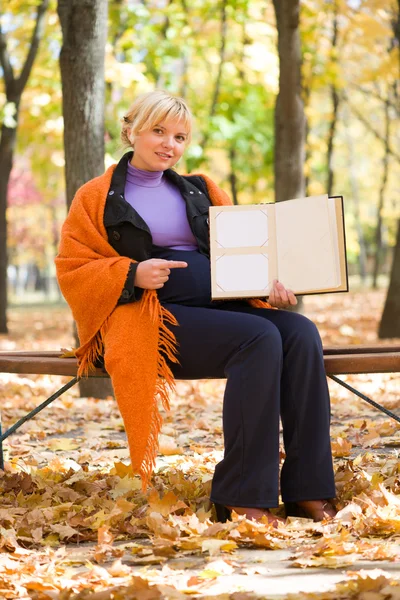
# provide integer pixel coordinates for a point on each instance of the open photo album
(300, 242)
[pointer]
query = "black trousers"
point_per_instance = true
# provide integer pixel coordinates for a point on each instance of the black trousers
(273, 363)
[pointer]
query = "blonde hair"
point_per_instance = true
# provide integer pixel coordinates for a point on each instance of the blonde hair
(153, 108)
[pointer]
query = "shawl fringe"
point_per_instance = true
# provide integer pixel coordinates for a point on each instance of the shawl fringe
(167, 348)
(258, 303)
(91, 352)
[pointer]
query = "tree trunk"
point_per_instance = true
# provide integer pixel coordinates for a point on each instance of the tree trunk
(290, 123)
(289, 110)
(389, 326)
(362, 257)
(335, 103)
(184, 57)
(14, 87)
(331, 137)
(7, 147)
(396, 30)
(84, 29)
(382, 189)
(232, 175)
(307, 146)
(217, 85)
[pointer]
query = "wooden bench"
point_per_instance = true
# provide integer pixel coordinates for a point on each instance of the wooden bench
(338, 360)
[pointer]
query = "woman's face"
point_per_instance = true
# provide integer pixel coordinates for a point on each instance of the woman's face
(160, 147)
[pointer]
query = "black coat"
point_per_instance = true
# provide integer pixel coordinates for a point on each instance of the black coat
(129, 234)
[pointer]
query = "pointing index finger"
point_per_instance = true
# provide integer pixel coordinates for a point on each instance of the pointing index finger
(176, 264)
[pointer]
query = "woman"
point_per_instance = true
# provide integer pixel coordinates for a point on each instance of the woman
(134, 266)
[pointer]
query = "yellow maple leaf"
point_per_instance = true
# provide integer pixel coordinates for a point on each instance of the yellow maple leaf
(341, 447)
(63, 444)
(64, 531)
(124, 486)
(156, 523)
(122, 470)
(214, 546)
(166, 505)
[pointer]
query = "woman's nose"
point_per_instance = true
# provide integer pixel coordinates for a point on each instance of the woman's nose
(167, 142)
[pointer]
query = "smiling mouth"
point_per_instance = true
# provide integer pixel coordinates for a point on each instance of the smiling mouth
(163, 155)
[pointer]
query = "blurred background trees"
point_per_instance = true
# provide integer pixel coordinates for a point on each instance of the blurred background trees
(223, 58)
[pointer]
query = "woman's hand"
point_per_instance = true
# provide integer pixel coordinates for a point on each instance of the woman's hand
(280, 297)
(153, 273)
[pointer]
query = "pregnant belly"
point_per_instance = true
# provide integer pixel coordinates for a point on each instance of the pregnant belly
(190, 285)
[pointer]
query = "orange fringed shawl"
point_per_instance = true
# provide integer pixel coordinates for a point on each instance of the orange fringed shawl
(134, 338)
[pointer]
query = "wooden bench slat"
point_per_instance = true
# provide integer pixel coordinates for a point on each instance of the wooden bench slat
(38, 353)
(362, 363)
(328, 350)
(26, 363)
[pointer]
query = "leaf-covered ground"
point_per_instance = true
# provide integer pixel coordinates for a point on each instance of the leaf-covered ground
(74, 523)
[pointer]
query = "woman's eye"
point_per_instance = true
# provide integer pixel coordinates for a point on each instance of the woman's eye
(180, 138)
(156, 130)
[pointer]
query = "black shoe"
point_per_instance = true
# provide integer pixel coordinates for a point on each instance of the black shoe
(292, 509)
(223, 513)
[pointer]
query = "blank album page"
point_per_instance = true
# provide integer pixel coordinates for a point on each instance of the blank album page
(306, 252)
(243, 258)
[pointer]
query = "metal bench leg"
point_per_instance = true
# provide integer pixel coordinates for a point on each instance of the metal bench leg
(30, 415)
(372, 402)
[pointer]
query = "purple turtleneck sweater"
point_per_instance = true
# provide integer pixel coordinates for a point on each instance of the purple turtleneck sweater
(162, 207)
